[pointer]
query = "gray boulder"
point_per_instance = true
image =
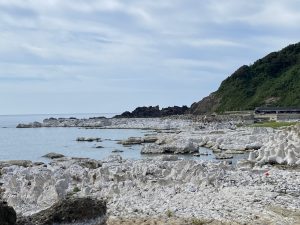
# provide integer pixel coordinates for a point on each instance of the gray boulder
(53, 155)
(7, 214)
(87, 211)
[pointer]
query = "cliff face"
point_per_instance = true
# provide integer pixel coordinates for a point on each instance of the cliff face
(271, 81)
(207, 104)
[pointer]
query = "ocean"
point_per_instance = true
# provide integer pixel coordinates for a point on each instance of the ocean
(34, 143)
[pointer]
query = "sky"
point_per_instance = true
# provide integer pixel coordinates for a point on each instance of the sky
(80, 56)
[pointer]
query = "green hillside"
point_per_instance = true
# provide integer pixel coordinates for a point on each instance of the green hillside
(271, 81)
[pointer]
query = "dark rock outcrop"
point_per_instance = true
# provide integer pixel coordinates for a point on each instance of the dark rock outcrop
(7, 214)
(154, 111)
(69, 211)
(53, 155)
(89, 139)
(175, 110)
(141, 112)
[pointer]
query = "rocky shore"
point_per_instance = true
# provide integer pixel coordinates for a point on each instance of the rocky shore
(261, 188)
(170, 122)
(166, 187)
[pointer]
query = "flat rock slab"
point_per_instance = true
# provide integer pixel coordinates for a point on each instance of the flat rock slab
(138, 140)
(223, 156)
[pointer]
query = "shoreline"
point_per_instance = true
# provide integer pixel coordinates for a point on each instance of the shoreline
(259, 190)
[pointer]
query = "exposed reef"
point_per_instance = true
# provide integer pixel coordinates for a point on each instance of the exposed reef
(156, 188)
(263, 189)
(282, 148)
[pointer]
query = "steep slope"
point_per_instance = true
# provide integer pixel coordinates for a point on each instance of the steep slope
(271, 81)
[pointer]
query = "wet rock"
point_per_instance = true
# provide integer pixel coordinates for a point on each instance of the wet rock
(38, 163)
(117, 151)
(90, 139)
(223, 156)
(21, 125)
(99, 146)
(53, 155)
(132, 141)
(7, 214)
(69, 211)
(254, 146)
(204, 153)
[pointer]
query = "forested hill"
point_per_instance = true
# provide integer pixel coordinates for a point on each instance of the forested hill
(271, 81)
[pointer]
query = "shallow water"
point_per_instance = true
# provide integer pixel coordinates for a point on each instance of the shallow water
(32, 144)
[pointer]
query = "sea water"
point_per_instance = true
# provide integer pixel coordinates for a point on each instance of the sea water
(34, 143)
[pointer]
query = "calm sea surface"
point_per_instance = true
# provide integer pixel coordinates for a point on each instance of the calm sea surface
(32, 144)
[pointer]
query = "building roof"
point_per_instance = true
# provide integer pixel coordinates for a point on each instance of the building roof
(266, 109)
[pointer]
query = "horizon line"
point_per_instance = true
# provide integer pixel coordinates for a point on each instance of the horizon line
(37, 114)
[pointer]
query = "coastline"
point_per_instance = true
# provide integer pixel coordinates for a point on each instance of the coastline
(169, 188)
(149, 188)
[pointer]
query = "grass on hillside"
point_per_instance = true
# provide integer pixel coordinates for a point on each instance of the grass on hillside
(274, 124)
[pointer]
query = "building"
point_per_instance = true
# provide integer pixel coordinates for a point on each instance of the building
(277, 110)
(277, 114)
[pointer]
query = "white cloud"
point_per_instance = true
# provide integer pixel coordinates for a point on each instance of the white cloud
(212, 43)
(197, 64)
(258, 12)
(89, 45)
